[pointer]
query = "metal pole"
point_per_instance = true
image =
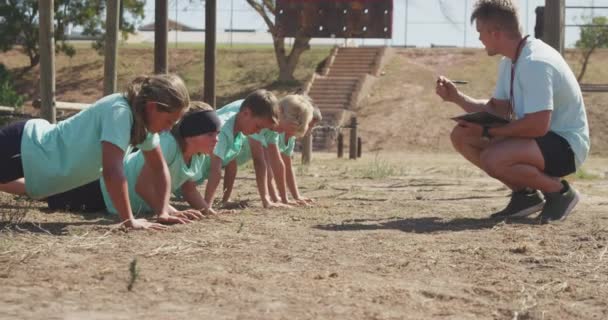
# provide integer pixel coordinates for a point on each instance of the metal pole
(46, 34)
(231, 19)
(352, 147)
(176, 1)
(111, 47)
(466, 6)
(407, 4)
(340, 145)
(527, 16)
(210, 25)
(161, 28)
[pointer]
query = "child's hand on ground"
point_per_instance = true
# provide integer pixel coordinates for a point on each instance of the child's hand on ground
(188, 214)
(143, 224)
(277, 205)
(166, 218)
(303, 201)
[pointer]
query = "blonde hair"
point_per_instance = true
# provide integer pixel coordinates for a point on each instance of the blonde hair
(503, 14)
(296, 109)
(167, 89)
(175, 131)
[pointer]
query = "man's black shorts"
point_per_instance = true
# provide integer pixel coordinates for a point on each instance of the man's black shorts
(558, 155)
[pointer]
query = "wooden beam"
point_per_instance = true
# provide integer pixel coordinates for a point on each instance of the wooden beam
(111, 47)
(210, 29)
(161, 28)
(553, 34)
(307, 148)
(46, 36)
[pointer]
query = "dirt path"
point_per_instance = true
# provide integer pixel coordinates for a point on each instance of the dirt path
(400, 236)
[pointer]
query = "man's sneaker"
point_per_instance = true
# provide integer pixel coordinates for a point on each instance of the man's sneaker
(559, 204)
(523, 203)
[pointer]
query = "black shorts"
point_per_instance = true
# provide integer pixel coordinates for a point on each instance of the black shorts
(86, 198)
(11, 167)
(558, 155)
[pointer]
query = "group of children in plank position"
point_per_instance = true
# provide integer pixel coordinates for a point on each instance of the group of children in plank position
(88, 162)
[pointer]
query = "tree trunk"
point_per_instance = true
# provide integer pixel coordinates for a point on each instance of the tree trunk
(34, 59)
(586, 56)
(288, 63)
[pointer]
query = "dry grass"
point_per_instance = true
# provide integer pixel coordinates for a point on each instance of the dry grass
(415, 244)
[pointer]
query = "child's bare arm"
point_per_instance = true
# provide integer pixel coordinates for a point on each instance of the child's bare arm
(229, 177)
(116, 183)
(215, 174)
(278, 170)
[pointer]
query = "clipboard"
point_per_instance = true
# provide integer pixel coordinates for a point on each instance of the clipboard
(482, 118)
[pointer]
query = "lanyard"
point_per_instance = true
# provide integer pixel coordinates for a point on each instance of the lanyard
(520, 47)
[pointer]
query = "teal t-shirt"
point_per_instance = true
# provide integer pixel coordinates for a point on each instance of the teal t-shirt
(59, 157)
(179, 171)
(285, 146)
(229, 143)
(266, 137)
(544, 81)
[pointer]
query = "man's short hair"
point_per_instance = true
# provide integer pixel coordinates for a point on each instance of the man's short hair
(502, 13)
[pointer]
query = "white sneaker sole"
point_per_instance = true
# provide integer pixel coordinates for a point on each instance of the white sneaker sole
(571, 205)
(528, 211)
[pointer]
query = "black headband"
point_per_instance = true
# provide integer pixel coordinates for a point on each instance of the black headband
(198, 123)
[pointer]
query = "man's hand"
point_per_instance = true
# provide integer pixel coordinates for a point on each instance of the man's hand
(472, 129)
(446, 90)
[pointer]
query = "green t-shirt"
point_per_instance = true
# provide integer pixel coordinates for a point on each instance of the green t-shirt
(267, 136)
(228, 143)
(59, 157)
(179, 171)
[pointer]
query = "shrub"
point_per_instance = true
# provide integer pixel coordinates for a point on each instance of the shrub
(8, 96)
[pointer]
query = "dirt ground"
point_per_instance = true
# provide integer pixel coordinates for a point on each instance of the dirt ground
(397, 236)
(401, 233)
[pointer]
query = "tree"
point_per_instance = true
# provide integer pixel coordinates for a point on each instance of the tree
(19, 23)
(593, 36)
(287, 62)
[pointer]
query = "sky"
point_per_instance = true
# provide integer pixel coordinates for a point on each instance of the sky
(439, 22)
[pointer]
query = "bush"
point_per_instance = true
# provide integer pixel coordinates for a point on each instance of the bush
(8, 96)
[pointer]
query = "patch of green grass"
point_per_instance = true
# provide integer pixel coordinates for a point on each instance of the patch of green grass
(582, 174)
(379, 169)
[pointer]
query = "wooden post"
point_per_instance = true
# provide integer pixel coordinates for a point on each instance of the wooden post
(554, 14)
(46, 36)
(340, 145)
(161, 28)
(352, 148)
(209, 85)
(307, 148)
(359, 147)
(111, 47)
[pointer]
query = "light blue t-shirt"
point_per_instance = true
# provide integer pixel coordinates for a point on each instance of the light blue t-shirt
(59, 157)
(266, 137)
(229, 143)
(544, 81)
(179, 171)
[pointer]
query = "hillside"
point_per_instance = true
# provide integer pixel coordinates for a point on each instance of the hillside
(402, 110)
